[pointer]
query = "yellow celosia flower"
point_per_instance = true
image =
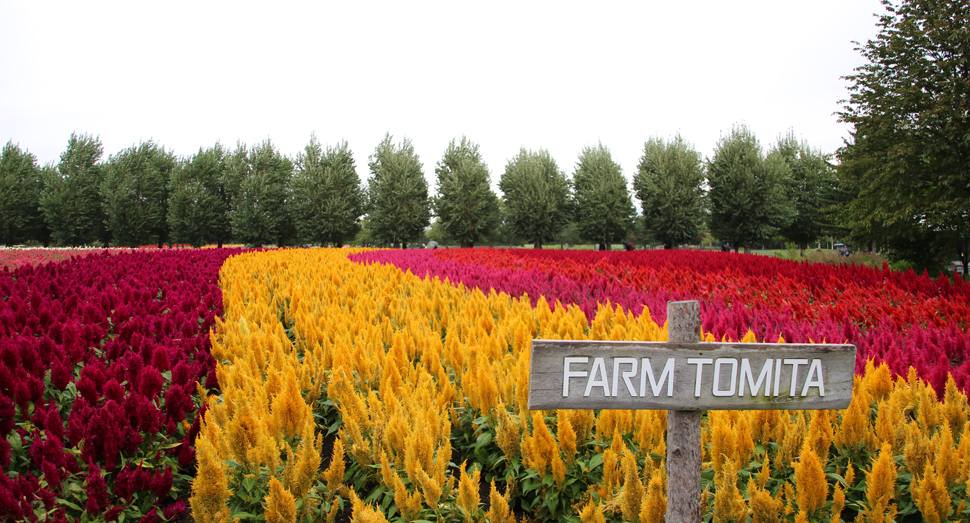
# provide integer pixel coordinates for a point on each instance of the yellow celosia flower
(728, 503)
(210, 488)
(592, 513)
(558, 470)
(764, 507)
(633, 492)
(363, 513)
(499, 511)
(654, 506)
(468, 499)
(279, 507)
(566, 436)
(810, 482)
(932, 497)
(917, 452)
(838, 503)
(881, 483)
(334, 475)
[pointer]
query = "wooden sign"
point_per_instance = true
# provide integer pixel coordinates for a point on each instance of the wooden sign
(689, 376)
(686, 376)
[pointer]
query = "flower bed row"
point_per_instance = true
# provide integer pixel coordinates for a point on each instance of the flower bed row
(421, 386)
(13, 258)
(100, 359)
(901, 319)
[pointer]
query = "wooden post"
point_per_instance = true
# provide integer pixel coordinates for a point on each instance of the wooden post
(683, 428)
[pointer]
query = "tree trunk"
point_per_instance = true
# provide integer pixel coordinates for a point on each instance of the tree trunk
(537, 245)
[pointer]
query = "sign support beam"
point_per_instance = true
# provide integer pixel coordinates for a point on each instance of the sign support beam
(683, 428)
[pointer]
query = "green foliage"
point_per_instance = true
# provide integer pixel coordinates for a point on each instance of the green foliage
(259, 179)
(813, 191)
(466, 206)
(604, 211)
(327, 198)
(134, 194)
(748, 192)
(669, 184)
(398, 194)
(20, 186)
(71, 198)
(198, 204)
(536, 195)
(907, 165)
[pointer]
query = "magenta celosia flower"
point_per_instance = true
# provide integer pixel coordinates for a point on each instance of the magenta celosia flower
(150, 381)
(161, 483)
(175, 510)
(60, 374)
(113, 391)
(160, 358)
(97, 490)
(113, 513)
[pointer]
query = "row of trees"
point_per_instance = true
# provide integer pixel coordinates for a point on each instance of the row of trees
(255, 195)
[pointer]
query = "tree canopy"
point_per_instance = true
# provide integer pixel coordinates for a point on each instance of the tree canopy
(260, 179)
(20, 185)
(466, 207)
(198, 203)
(537, 196)
(134, 194)
(327, 198)
(813, 191)
(748, 193)
(71, 198)
(669, 184)
(399, 208)
(907, 164)
(604, 211)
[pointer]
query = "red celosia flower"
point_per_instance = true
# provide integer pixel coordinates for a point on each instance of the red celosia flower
(175, 510)
(113, 513)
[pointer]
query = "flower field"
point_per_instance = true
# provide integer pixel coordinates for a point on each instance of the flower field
(101, 357)
(13, 258)
(342, 385)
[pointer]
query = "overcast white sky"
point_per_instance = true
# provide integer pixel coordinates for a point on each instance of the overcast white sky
(555, 75)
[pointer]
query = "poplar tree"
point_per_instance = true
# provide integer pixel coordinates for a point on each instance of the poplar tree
(20, 188)
(399, 207)
(537, 197)
(71, 198)
(327, 198)
(134, 194)
(669, 184)
(748, 192)
(466, 207)
(604, 211)
(260, 179)
(198, 204)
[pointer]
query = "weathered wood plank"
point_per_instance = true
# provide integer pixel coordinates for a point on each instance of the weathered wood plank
(656, 375)
(683, 428)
